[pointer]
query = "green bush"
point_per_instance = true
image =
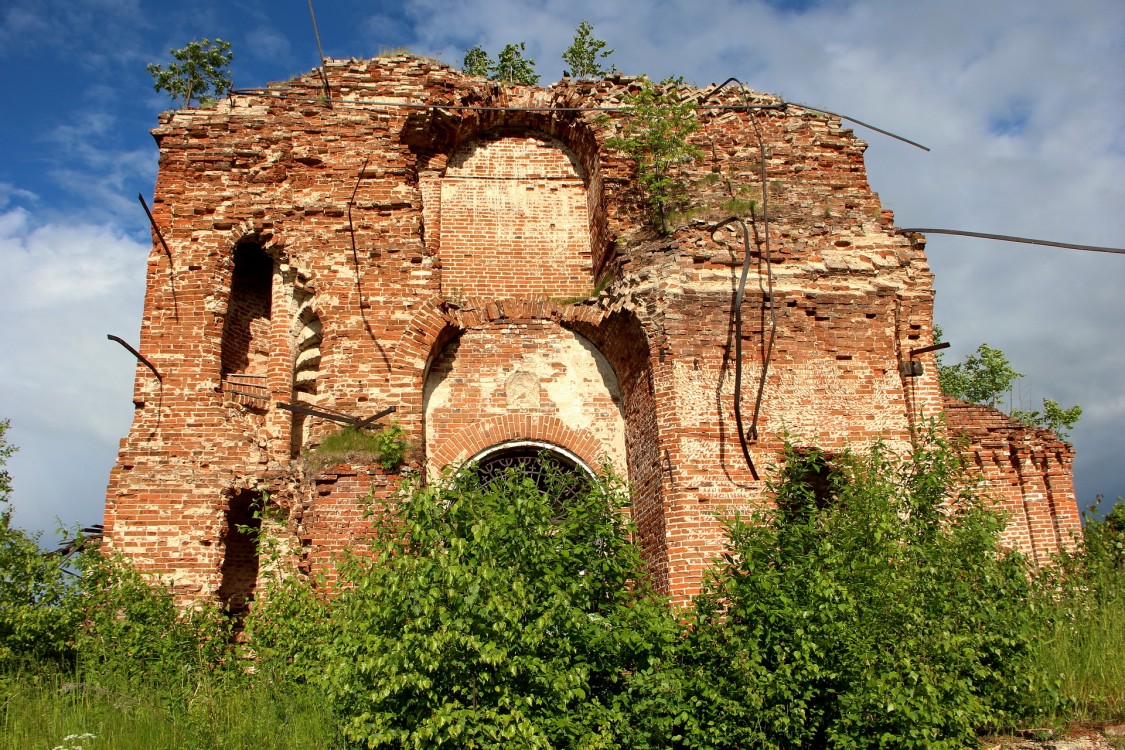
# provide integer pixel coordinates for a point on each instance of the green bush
(132, 626)
(34, 625)
(493, 616)
(874, 608)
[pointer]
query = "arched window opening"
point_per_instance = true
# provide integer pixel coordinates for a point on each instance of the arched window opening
(556, 472)
(246, 329)
(240, 552)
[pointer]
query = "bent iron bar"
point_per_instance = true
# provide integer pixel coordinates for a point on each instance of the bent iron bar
(343, 419)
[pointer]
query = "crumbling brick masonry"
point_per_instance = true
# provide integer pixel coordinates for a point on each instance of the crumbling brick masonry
(436, 242)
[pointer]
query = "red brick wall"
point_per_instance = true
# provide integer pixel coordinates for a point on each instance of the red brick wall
(1027, 472)
(514, 220)
(463, 244)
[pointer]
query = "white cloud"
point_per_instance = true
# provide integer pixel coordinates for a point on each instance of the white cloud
(267, 43)
(67, 389)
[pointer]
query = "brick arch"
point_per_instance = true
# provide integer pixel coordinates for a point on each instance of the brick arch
(504, 428)
(437, 322)
(253, 230)
(499, 112)
(423, 339)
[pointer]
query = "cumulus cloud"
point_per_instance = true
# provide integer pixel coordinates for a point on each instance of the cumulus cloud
(66, 389)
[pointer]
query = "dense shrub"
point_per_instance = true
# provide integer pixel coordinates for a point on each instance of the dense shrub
(872, 609)
(495, 615)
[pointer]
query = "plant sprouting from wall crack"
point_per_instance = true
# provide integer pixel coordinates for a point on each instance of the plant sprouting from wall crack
(200, 72)
(656, 125)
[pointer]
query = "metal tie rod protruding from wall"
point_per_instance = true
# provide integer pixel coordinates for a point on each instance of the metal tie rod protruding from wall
(140, 357)
(323, 61)
(1009, 238)
(927, 349)
(338, 418)
(155, 227)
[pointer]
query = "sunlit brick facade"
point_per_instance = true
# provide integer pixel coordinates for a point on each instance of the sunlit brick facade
(475, 256)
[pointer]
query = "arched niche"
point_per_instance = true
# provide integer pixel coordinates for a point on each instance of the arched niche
(245, 347)
(523, 380)
(514, 219)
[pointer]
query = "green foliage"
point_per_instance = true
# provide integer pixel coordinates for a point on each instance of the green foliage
(45, 708)
(6, 451)
(1085, 639)
(34, 627)
(510, 66)
(387, 447)
(585, 53)
(873, 609)
(986, 377)
(1053, 417)
(200, 72)
(981, 378)
(655, 132)
(132, 626)
(390, 442)
(489, 618)
(513, 67)
(477, 62)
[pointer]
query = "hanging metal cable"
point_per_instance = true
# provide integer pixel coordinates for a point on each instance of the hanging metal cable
(741, 292)
(1009, 238)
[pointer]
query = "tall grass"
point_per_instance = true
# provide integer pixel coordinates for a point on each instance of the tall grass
(1085, 635)
(42, 708)
(1087, 653)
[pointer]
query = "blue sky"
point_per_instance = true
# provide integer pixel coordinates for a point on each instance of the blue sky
(1021, 101)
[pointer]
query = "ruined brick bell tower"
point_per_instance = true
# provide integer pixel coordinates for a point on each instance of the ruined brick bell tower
(475, 256)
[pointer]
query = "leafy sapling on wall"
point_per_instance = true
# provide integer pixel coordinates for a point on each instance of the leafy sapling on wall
(200, 73)
(656, 125)
(477, 62)
(510, 67)
(986, 377)
(585, 52)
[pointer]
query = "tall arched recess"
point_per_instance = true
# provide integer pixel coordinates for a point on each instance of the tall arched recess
(622, 339)
(514, 219)
(245, 349)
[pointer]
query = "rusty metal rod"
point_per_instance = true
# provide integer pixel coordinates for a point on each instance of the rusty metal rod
(928, 349)
(1009, 238)
(140, 357)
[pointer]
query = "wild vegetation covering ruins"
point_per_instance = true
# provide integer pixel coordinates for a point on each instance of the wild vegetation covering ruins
(500, 265)
(448, 387)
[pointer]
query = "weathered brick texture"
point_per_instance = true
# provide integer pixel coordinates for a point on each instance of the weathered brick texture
(432, 242)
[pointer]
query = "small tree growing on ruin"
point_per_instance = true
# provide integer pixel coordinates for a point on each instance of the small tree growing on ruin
(657, 125)
(200, 72)
(513, 67)
(477, 62)
(584, 53)
(987, 376)
(510, 67)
